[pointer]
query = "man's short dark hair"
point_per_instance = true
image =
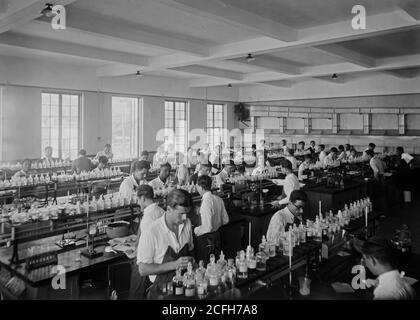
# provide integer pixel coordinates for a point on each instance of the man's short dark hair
(302, 142)
(204, 182)
(286, 164)
(103, 159)
(341, 147)
(178, 197)
(372, 145)
(167, 165)
(254, 146)
(82, 152)
(146, 191)
(353, 150)
(400, 149)
(321, 146)
(334, 149)
(291, 151)
(107, 145)
(312, 141)
(298, 195)
(140, 165)
(380, 249)
(145, 153)
(348, 147)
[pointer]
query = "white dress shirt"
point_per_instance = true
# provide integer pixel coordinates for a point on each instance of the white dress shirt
(221, 178)
(291, 183)
(157, 183)
(329, 161)
(213, 214)
(278, 223)
(303, 166)
(393, 287)
(322, 156)
(155, 241)
(150, 214)
(128, 187)
(407, 157)
(182, 174)
(377, 166)
(293, 161)
(101, 153)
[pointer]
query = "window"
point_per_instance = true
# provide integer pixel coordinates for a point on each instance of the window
(60, 124)
(176, 120)
(125, 127)
(215, 124)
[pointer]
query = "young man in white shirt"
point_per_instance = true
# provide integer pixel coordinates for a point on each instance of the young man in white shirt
(304, 166)
(377, 165)
(380, 260)
(291, 182)
(106, 152)
(291, 158)
(331, 159)
(161, 181)
(212, 210)
(167, 244)
(292, 213)
(205, 169)
(322, 153)
(139, 170)
(284, 145)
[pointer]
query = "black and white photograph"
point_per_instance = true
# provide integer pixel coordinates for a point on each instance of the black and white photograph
(212, 156)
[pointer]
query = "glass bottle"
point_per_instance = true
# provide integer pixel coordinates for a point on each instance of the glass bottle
(242, 266)
(302, 233)
(261, 261)
(201, 280)
(189, 281)
(230, 274)
(212, 273)
(177, 283)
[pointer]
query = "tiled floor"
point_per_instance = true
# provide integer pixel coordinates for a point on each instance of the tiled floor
(405, 213)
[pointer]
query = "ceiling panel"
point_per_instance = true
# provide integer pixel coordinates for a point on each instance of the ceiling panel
(305, 57)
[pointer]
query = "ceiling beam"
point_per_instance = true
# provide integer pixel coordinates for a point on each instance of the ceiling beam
(222, 11)
(27, 12)
(67, 48)
(109, 29)
(395, 63)
(345, 54)
(270, 63)
(379, 24)
(212, 72)
(339, 80)
(278, 83)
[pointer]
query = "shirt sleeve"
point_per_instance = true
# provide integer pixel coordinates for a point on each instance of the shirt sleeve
(274, 227)
(146, 248)
(225, 216)
(288, 188)
(125, 190)
(206, 214)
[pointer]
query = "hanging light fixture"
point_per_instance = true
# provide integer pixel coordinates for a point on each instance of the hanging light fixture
(138, 74)
(250, 57)
(334, 76)
(48, 11)
(229, 85)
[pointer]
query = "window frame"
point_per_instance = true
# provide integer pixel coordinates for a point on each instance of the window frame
(212, 128)
(60, 119)
(173, 120)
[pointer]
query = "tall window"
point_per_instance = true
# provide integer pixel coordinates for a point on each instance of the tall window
(215, 124)
(60, 124)
(125, 127)
(176, 120)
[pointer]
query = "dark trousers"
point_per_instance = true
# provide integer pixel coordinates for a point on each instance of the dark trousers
(207, 244)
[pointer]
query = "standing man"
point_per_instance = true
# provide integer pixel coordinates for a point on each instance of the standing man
(304, 166)
(204, 170)
(82, 163)
(166, 245)
(182, 174)
(291, 182)
(322, 153)
(377, 165)
(213, 215)
(331, 159)
(151, 210)
(161, 181)
(408, 158)
(284, 218)
(311, 147)
(225, 173)
(139, 170)
(106, 152)
(284, 145)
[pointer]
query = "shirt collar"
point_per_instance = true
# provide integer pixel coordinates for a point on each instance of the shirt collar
(166, 228)
(288, 213)
(386, 276)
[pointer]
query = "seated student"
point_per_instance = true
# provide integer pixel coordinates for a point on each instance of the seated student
(304, 166)
(48, 158)
(311, 147)
(26, 167)
(204, 170)
(102, 164)
(287, 216)
(322, 153)
(82, 163)
(404, 155)
(341, 153)
(213, 215)
(291, 182)
(380, 259)
(212, 210)
(353, 155)
(139, 170)
(161, 181)
(182, 174)
(167, 244)
(106, 152)
(291, 158)
(284, 145)
(377, 165)
(300, 147)
(331, 159)
(365, 156)
(144, 156)
(225, 173)
(348, 149)
(151, 210)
